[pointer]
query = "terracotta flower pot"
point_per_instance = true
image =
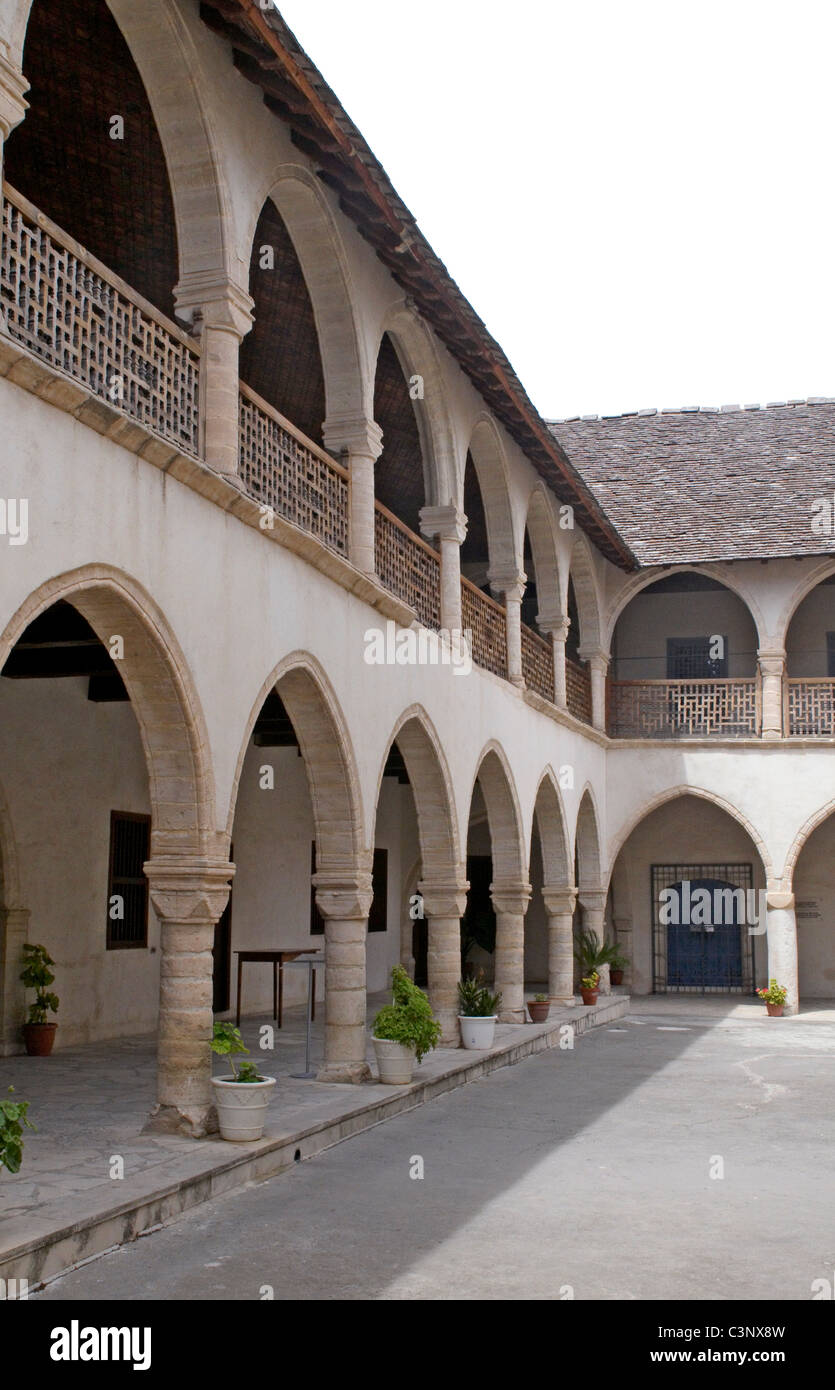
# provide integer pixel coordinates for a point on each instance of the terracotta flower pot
(589, 995)
(39, 1038)
(539, 1009)
(616, 977)
(775, 1010)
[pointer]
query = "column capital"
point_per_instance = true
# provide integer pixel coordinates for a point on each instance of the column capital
(510, 582)
(597, 657)
(343, 896)
(511, 897)
(559, 900)
(779, 901)
(214, 301)
(556, 625)
(354, 434)
(592, 899)
(13, 89)
(189, 891)
(444, 899)
(772, 660)
(447, 523)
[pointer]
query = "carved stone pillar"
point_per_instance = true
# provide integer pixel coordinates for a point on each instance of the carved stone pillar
(598, 661)
(449, 526)
(14, 925)
(772, 672)
(344, 900)
(222, 312)
(557, 628)
(512, 587)
(559, 905)
(444, 905)
(510, 903)
(593, 903)
(359, 443)
(188, 897)
(781, 929)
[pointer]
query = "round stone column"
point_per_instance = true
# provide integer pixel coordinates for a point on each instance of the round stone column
(512, 587)
(344, 901)
(448, 526)
(598, 662)
(188, 898)
(510, 903)
(358, 443)
(222, 312)
(593, 903)
(559, 905)
(781, 931)
(444, 904)
(772, 673)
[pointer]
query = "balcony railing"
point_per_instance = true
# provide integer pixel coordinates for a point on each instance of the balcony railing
(407, 566)
(684, 708)
(487, 621)
(578, 690)
(71, 311)
(810, 706)
(538, 663)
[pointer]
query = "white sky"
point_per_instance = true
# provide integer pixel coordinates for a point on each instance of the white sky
(635, 195)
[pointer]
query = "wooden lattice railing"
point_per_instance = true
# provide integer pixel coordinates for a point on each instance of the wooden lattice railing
(578, 690)
(290, 475)
(65, 306)
(810, 702)
(487, 621)
(538, 663)
(407, 566)
(676, 708)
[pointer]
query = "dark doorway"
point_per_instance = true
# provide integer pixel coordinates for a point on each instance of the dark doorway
(222, 955)
(702, 940)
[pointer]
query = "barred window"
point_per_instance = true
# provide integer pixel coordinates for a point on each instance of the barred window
(127, 889)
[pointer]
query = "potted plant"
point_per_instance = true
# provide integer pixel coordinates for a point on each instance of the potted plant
(617, 965)
(243, 1097)
(479, 1013)
(591, 954)
(12, 1120)
(774, 998)
(588, 987)
(539, 1008)
(39, 1035)
(403, 1031)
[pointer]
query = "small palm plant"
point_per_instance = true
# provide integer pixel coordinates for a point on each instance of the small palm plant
(591, 953)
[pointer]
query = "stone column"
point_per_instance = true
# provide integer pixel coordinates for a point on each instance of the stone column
(444, 904)
(559, 905)
(14, 926)
(344, 900)
(510, 903)
(449, 526)
(598, 661)
(772, 672)
(13, 107)
(222, 314)
(358, 442)
(557, 629)
(781, 929)
(512, 587)
(593, 903)
(188, 897)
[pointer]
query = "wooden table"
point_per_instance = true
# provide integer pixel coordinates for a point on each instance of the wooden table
(277, 958)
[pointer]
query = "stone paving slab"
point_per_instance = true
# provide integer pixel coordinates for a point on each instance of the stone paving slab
(90, 1102)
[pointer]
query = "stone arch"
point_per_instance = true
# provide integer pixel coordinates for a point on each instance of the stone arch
(798, 844)
(328, 757)
(490, 461)
(638, 582)
(163, 695)
(418, 354)
(687, 789)
(588, 844)
(810, 581)
(303, 207)
(540, 529)
(433, 794)
(504, 818)
(549, 815)
(582, 576)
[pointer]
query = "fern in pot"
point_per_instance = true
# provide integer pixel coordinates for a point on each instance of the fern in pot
(403, 1031)
(479, 1012)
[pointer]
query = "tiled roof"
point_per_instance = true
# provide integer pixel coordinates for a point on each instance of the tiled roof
(701, 484)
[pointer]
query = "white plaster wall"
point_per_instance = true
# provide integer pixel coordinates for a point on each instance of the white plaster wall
(806, 639)
(814, 890)
(640, 643)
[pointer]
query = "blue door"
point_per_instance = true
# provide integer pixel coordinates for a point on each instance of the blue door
(705, 956)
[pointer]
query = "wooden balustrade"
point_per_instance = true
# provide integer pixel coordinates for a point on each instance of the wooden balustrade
(407, 566)
(677, 708)
(486, 620)
(538, 663)
(578, 690)
(810, 706)
(290, 475)
(67, 308)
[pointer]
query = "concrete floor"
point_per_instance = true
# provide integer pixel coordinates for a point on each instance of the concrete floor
(584, 1172)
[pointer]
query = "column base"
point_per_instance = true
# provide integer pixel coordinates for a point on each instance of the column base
(170, 1119)
(512, 1016)
(450, 1034)
(564, 1001)
(344, 1073)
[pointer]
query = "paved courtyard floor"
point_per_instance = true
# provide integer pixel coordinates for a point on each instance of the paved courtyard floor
(686, 1151)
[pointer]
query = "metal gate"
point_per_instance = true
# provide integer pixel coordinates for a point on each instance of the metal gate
(706, 950)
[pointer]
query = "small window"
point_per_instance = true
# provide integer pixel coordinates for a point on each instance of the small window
(378, 916)
(127, 889)
(696, 658)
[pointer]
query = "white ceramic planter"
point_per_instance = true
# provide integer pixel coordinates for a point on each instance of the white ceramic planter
(478, 1032)
(395, 1061)
(242, 1107)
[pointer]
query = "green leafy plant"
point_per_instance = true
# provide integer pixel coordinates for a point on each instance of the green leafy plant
(540, 999)
(408, 1019)
(775, 994)
(619, 961)
(12, 1120)
(591, 953)
(590, 981)
(475, 999)
(227, 1042)
(36, 975)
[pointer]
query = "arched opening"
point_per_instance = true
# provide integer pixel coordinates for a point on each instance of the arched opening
(810, 663)
(688, 901)
(684, 662)
(814, 894)
(89, 154)
(280, 357)
(549, 870)
(475, 549)
(400, 474)
(496, 860)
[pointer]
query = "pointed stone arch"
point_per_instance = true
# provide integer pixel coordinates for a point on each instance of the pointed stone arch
(801, 839)
(504, 817)
(687, 789)
(540, 527)
(636, 584)
(582, 576)
(588, 844)
(419, 357)
(490, 461)
(551, 823)
(433, 794)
